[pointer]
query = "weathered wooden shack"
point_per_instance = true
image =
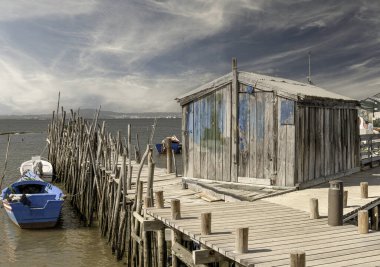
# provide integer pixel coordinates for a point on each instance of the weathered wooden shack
(255, 129)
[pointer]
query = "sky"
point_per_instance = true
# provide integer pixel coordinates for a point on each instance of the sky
(139, 55)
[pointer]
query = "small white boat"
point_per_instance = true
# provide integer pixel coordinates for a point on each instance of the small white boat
(38, 166)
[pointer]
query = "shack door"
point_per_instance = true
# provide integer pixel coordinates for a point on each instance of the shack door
(256, 136)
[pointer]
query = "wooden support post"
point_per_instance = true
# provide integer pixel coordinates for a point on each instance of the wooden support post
(147, 239)
(375, 219)
(345, 198)
(129, 182)
(159, 196)
(176, 235)
(206, 223)
(169, 157)
(364, 189)
(241, 243)
(363, 221)
(297, 259)
(314, 211)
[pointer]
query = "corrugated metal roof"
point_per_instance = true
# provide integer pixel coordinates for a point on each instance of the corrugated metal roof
(267, 83)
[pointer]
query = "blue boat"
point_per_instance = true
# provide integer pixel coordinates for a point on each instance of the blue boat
(32, 203)
(176, 145)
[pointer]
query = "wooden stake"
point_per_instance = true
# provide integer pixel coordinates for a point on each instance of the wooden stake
(364, 189)
(147, 238)
(151, 166)
(241, 244)
(363, 221)
(297, 259)
(176, 209)
(176, 235)
(129, 183)
(169, 157)
(159, 196)
(206, 223)
(314, 211)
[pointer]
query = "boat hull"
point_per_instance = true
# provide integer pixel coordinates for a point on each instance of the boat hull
(176, 147)
(33, 217)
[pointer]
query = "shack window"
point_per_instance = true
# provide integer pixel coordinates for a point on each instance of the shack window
(287, 112)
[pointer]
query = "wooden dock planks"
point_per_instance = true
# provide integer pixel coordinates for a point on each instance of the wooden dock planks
(274, 231)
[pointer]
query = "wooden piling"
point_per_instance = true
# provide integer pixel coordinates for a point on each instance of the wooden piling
(151, 166)
(206, 223)
(297, 258)
(159, 196)
(129, 183)
(314, 211)
(147, 239)
(363, 221)
(169, 157)
(176, 209)
(364, 189)
(161, 243)
(241, 243)
(176, 235)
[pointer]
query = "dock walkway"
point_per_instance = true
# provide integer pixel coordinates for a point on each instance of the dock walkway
(277, 225)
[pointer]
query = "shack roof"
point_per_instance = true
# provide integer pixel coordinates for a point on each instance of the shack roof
(283, 87)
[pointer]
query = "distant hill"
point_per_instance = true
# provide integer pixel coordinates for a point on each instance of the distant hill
(90, 113)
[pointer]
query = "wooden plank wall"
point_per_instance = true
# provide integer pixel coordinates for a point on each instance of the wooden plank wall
(326, 141)
(256, 135)
(286, 148)
(207, 137)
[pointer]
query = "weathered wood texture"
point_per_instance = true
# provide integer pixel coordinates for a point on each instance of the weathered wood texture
(290, 230)
(326, 142)
(207, 136)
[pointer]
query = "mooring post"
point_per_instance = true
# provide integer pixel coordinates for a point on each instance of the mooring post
(314, 211)
(161, 243)
(364, 189)
(159, 196)
(176, 235)
(169, 157)
(335, 203)
(241, 243)
(206, 223)
(297, 258)
(363, 221)
(129, 182)
(345, 198)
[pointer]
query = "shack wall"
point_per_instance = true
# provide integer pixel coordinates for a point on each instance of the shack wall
(327, 141)
(207, 136)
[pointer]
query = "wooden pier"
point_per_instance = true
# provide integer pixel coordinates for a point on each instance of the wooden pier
(135, 205)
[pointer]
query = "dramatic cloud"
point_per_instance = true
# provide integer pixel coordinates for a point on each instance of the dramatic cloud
(136, 56)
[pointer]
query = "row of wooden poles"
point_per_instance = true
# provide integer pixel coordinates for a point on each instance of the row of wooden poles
(96, 170)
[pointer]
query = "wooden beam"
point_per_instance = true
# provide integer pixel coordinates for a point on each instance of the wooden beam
(182, 254)
(149, 225)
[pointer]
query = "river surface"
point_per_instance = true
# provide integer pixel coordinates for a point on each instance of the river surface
(69, 243)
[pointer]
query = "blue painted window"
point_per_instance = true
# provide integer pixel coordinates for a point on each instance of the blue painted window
(287, 112)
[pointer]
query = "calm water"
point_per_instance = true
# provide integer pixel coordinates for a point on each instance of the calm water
(70, 243)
